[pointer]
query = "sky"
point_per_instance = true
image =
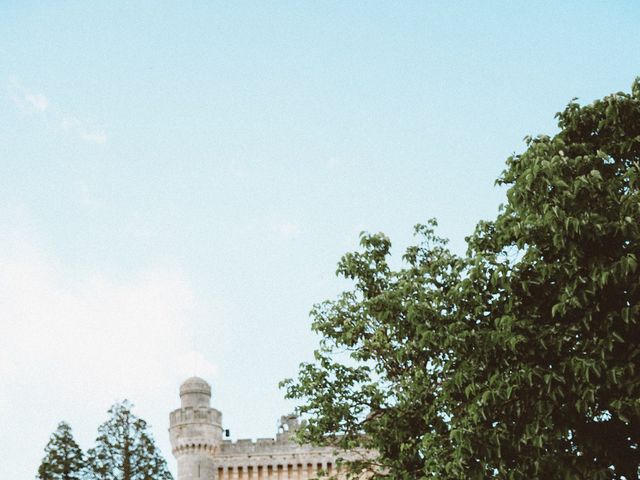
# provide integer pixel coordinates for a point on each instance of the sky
(178, 180)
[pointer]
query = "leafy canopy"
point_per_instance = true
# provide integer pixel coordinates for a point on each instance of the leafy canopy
(125, 449)
(63, 459)
(517, 360)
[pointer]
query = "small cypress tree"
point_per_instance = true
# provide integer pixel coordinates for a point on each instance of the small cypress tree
(125, 450)
(63, 458)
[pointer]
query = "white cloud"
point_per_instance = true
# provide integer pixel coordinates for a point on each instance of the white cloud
(38, 101)
(95, 136)
(26, 100)
(72, 342)
(192, 363)
(287, 230)
(69, 122)
(31, 102)
(101, 337)
(73, 125)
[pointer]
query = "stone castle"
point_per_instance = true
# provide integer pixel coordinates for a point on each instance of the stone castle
(197, 443)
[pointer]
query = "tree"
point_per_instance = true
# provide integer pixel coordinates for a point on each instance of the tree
(63, 459)
(125, 449)
(517, 360)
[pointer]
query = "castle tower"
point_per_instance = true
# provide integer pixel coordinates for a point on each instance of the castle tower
(195, 431)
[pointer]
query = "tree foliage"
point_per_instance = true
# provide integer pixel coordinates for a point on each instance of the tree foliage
(517, 360)
(125, 449)
(63, 459)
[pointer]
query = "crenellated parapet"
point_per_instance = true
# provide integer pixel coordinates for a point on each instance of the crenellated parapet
(266, 446)
(277, 458)
(202, 454)
(195, 426)
(187, 415)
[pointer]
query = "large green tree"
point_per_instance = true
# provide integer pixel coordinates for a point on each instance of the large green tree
(518, 360)
(63, 459)
(125, 449)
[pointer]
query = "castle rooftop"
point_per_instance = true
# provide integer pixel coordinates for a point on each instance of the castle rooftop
(195, 385)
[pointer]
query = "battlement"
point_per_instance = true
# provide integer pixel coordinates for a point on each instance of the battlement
(196, 440)
(189, 415)
(282, 444)
(195, 430)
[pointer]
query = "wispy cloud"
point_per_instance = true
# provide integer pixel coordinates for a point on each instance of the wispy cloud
(72, 125)
(30, 101)
(287, 230)
(38, 101)
(87, 339)
(69, 122)
(278, 229)
(26, 100)
(119, 335)
(94, 136)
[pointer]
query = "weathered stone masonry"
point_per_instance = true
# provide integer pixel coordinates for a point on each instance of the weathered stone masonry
(196, 440)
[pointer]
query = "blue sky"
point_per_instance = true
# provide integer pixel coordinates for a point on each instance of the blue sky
(179, 179)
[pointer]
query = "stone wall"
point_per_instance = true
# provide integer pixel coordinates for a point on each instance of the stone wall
(202, 454)
(268, 458)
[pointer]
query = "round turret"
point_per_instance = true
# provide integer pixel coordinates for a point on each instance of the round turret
(195, 431)
(195, 392)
